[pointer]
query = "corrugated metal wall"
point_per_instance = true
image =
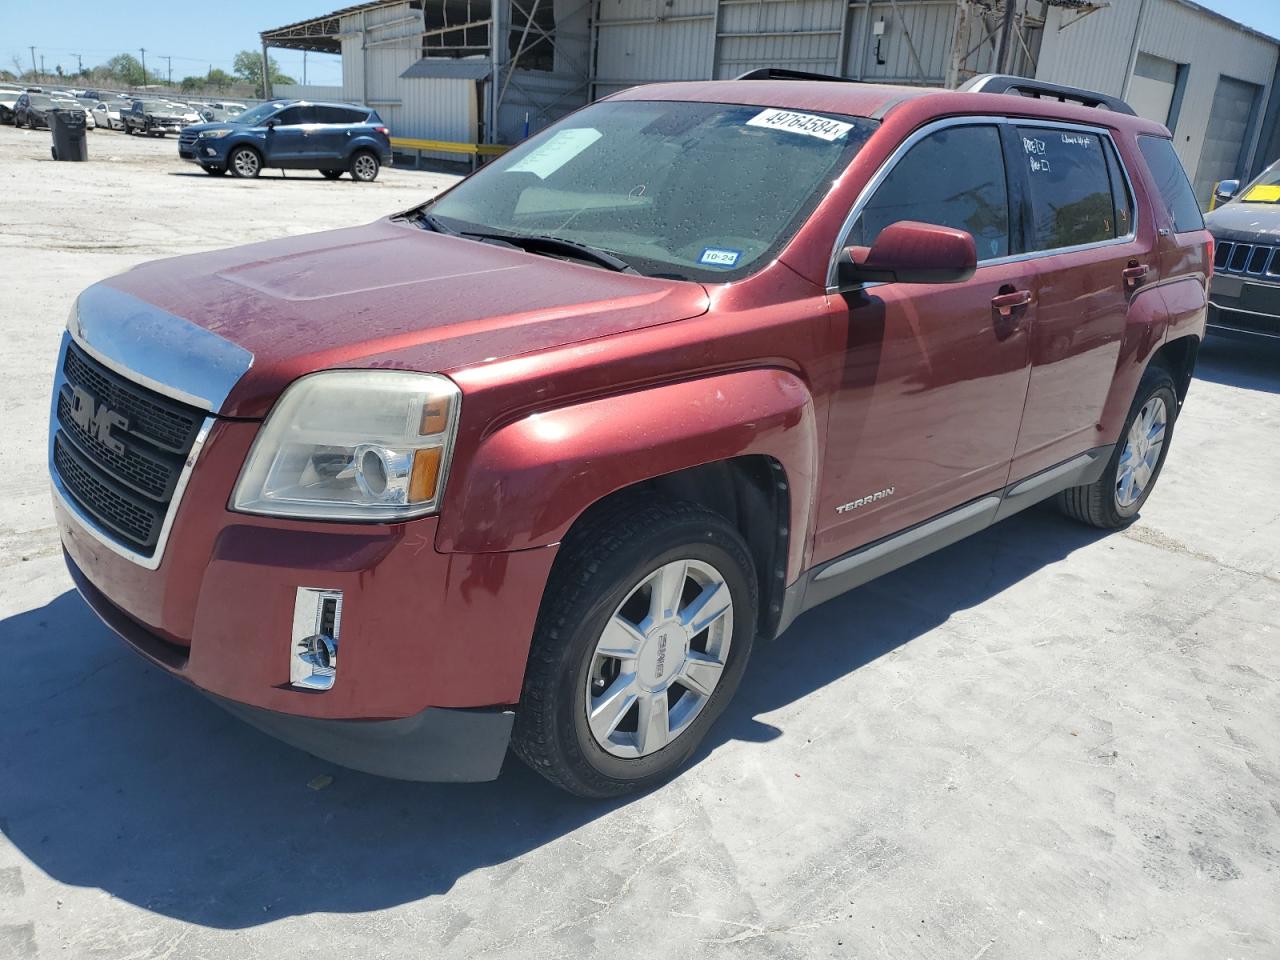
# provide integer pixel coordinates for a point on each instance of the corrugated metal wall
(800, 34)
(378, 46)
(1098, 51)
(644, 41)
(914, 48)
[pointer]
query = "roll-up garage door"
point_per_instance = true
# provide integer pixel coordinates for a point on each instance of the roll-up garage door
(1226, 140)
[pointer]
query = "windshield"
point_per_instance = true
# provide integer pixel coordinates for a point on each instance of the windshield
(688, 190)
(1265, 189)
(258, 114)
(40, 101)
(156, 106)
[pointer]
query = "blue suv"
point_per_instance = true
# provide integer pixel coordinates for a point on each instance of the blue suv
(295, 135)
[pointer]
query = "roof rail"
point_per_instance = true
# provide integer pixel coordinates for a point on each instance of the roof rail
(1043, 90)
(781, 73)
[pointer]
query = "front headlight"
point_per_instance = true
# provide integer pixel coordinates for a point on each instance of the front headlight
(353, 445)
(212, 134)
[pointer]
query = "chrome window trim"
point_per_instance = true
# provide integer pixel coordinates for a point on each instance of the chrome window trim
(86, 522)
(156, 349)
(919, 134)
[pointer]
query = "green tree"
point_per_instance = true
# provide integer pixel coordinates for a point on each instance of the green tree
(247, 66)
(219, 78)
(125, 68)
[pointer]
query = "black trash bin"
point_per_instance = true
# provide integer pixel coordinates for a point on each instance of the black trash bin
(68, 128)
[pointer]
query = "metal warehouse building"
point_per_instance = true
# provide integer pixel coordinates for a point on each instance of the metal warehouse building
(433, 71)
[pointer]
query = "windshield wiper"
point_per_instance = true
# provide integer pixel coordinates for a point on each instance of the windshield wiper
(430, 222)
(554, 245)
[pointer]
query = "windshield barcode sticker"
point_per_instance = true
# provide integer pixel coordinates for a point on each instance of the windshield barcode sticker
(804, 123)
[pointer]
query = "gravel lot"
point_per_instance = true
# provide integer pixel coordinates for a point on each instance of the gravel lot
(1040, 743)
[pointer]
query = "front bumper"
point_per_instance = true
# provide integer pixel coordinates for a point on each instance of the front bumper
(1238, 304)
(433, 744)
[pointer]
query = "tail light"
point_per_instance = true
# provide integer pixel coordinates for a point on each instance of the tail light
(1209, 252)
(383, 130)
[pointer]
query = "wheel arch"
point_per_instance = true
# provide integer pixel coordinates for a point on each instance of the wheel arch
(743, 444)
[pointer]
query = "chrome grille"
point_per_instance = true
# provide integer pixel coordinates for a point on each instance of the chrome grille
(123, 477)
(1247, 259)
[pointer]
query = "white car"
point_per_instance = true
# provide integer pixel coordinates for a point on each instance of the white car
(188, 113)
(107, 115)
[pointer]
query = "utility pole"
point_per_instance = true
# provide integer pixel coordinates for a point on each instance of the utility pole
(169, 62)
(143, 51)
(304, 68)
(42, 66)
(79, 63)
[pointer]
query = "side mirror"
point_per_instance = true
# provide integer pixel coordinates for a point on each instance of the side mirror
(910, 252)
(1225, 190)
(271, 124)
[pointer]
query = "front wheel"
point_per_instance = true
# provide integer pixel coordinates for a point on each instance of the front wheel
(1116, 497)
(215, 171)
(642, 639)
(245, 162)
(364, 167)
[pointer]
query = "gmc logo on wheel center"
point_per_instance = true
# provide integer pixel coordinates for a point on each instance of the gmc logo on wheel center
(97, 419)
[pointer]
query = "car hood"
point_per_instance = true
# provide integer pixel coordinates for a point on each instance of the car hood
(212, 125)
(388, 294)
(1245, 221)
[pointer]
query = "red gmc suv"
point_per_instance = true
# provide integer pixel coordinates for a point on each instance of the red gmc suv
(533, 465)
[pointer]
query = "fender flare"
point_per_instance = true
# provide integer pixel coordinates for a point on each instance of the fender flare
(1147, 327)
(526, 482)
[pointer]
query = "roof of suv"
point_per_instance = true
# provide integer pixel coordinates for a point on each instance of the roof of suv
(877, 100)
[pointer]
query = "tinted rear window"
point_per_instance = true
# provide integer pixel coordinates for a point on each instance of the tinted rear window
(1171, 181)
(1071, 199)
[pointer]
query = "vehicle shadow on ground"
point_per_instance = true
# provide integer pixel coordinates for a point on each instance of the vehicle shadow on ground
(117, 777)
(1249, 363)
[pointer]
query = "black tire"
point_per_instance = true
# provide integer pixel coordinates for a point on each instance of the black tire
(1098, 504)
(364, 166)
(602, 561)
(331, 174)
(239, 165)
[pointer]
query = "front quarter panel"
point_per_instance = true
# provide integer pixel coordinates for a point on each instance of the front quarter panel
(526, 482)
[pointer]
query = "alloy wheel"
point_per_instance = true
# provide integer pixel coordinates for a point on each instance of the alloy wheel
(246, 163)
(659, 659)
(1141, 452)
(365, 167)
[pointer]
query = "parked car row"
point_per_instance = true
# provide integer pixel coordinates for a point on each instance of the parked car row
(32, 110)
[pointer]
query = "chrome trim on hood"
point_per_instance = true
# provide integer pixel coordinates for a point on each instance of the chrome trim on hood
(154, 348)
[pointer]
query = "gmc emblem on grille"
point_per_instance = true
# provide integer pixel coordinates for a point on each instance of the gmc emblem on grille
(97, 419)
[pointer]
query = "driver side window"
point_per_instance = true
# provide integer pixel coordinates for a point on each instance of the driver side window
(954, 177)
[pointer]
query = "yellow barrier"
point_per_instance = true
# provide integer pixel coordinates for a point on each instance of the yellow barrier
(473, 150)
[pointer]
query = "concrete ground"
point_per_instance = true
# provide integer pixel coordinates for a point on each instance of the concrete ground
(1041, 743)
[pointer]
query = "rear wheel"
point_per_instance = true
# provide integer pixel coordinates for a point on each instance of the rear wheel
(331, 174)
(1130, 475)
(215, 171)
(642, 639)
(245, 162)
(364, 167)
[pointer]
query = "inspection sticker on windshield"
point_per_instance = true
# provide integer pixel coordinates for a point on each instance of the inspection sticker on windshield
(714, 257)
(556, 152)
(803, 123)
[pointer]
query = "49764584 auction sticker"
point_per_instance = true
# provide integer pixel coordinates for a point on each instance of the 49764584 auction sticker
(807, 124)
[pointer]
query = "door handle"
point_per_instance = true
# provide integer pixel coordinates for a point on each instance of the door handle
(1006, 303)
(1135, 273)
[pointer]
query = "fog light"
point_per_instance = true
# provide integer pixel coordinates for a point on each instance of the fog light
(210, 152)
(313, 646)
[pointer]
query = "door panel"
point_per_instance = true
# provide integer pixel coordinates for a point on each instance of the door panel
(927, 411)
(929, 406)
(1079, 205)
(287, 140)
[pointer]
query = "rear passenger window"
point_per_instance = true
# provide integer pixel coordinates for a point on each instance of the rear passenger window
(954, 177)
(1071, 198)
(1171, 181)
(338, 115)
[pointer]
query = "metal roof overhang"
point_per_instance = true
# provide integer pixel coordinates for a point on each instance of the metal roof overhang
(321, 34)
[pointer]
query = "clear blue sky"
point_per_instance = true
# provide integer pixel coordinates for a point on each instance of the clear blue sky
(197, 35)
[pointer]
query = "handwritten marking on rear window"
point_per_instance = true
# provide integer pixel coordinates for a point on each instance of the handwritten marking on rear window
(1077, 140)
(807, 124)
(1034, 146)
